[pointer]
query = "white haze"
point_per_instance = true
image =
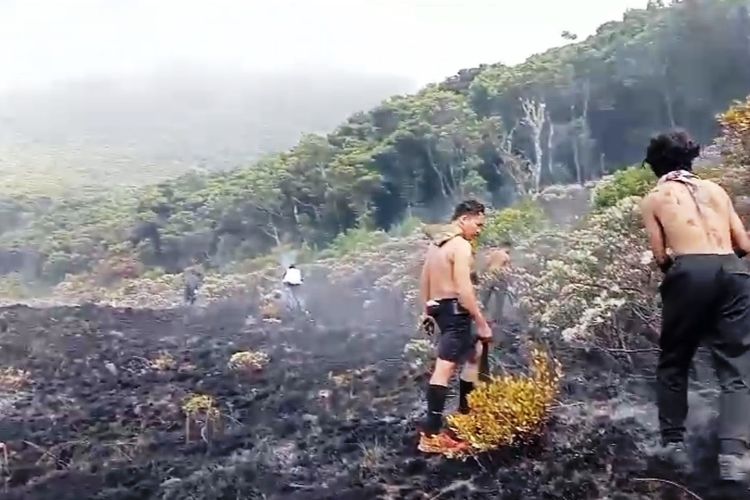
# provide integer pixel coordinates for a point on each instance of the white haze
(42, 41)
(219, 83)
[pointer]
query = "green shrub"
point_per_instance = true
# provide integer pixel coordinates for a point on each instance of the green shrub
(632, 181)
(354, 240)
(406, 227)
(512, 223)
(13, 286)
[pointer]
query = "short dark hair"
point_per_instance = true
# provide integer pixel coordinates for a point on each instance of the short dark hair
(670, 151)
(468, 207)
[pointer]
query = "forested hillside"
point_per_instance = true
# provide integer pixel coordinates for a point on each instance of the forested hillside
(496, 132)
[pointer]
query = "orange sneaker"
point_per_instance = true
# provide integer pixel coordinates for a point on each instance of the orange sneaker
(441, 443)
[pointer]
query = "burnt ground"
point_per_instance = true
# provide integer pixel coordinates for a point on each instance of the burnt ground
(98, 422)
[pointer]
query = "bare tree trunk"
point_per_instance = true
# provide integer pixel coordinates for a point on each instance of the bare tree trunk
(586, 133)
(441, 177)
(534, 118)
(273, 232)
(670, 108)
(295, 212)
(550, 146)
(506, 143)
(577, 161)
(512, 164)
(577, 133)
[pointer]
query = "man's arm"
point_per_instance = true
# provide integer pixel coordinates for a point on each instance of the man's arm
(462, 260)
(740, 238)
(655, 234)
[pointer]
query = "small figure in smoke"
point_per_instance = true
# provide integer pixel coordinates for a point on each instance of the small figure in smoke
(292, 280)
(448, 296)
(495, 280)
(705, 299)
(193, 277)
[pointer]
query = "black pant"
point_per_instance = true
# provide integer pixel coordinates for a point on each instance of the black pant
(457, 340)
(706, 298)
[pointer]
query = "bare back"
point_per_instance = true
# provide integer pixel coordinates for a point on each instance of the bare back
(693, 223)
(442, 283)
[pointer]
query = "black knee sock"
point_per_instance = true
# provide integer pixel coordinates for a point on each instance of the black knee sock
(464, 389)
(435, 404)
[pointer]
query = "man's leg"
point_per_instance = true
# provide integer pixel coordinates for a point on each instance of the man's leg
(680, 334)
(468, 379)
(294, 299)
(437, 391)
(731, 353)
(455, 337)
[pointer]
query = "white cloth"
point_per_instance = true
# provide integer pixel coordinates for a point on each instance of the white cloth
(292, 277)
(683, 176)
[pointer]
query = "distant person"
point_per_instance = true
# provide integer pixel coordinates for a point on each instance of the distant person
(193, 277)
(447, 294)
(705, 298)
(292, 280)
(494, 281)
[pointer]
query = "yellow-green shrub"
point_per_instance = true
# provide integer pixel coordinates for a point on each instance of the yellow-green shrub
(735, 124)
(633, 181)
(510, 408)
(513, 222)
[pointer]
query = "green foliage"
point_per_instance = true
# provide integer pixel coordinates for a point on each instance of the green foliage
(512, 223)
(735, 124)
(469, 136)
(633, 181)
(14, 286)
(354, 240)
(406, 227)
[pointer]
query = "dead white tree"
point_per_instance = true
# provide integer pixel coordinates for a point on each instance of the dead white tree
(534, 117)
(519, 169)
(550, 146)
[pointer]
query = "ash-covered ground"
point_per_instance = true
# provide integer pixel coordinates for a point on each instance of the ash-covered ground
(332, 416)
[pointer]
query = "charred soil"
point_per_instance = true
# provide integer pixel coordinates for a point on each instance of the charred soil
(94, 410)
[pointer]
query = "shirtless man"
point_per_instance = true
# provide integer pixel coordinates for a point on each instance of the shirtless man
(448, 296)
(705, 297)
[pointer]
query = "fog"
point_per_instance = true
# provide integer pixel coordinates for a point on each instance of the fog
(422, 40)
(219, 83)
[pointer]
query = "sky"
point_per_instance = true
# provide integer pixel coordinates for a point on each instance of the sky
(45, 41)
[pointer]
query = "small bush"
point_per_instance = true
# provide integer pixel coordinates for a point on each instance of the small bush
(248, 361)
(735, 124)
(14, 286)
(13, 379)
(511, 223)
(633, 181)
(406, 227)
(511, 408)
(354, 240)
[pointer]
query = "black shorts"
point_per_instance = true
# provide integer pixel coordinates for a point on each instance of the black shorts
(457, 341)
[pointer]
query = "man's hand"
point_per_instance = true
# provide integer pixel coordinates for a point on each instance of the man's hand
(484, 332)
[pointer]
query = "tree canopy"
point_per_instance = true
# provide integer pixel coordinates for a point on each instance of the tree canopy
(496, 132)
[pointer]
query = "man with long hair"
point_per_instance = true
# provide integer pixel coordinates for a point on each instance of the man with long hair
(705, 298)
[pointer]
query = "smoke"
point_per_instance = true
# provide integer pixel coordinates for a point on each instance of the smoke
(288, 258)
